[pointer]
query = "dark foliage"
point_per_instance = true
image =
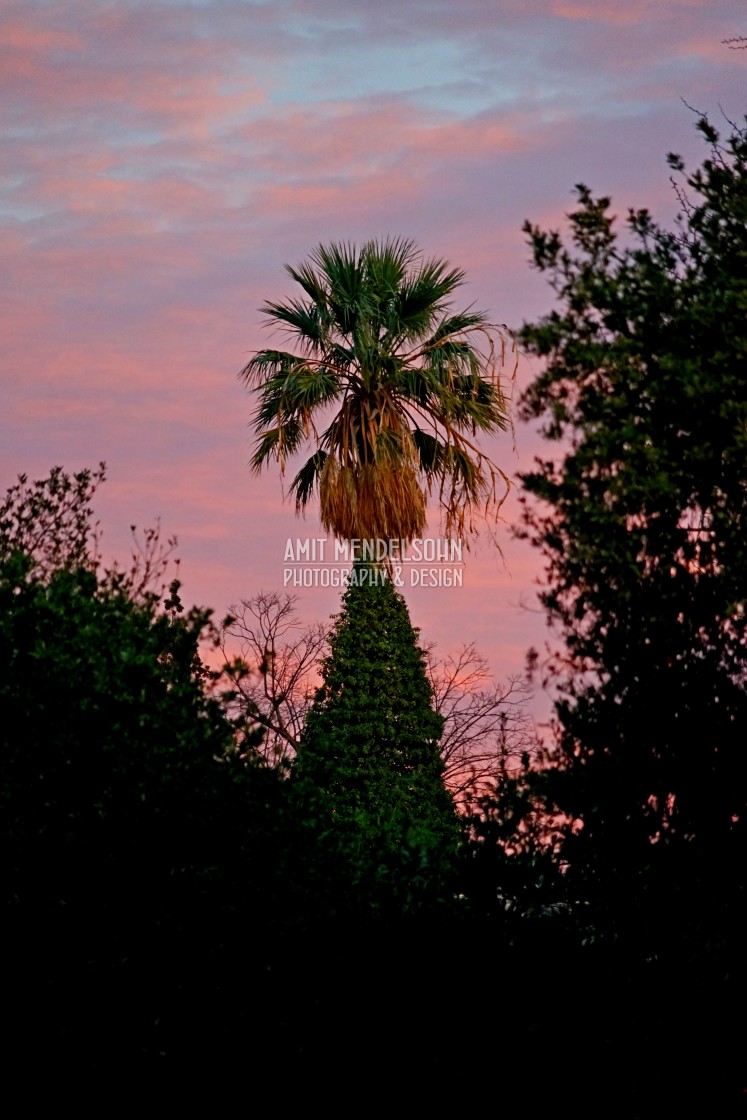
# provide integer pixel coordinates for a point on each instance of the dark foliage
(642, 519)
(136, 844)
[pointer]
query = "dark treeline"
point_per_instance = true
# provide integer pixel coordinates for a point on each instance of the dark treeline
(175, 906)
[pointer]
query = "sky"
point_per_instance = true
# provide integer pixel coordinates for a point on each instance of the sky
(162, 160)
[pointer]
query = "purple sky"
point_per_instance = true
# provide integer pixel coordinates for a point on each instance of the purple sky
(163, 159)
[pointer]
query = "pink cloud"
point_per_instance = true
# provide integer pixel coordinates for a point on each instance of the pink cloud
(196, 107)
(359, 139)
(713, 49)
(621, 15)
(26, 38)
(143, 67)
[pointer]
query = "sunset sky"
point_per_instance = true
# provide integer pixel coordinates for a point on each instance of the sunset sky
(163, 159)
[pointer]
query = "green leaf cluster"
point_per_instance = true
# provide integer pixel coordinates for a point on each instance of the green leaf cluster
(642, 519)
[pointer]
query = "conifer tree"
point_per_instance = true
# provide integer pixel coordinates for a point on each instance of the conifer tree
(369, 771)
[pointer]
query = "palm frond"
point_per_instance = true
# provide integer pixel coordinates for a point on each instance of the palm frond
(303, 391)
(412, 380)
(268, 364)
(307, 480)
(278, 442)
(303, 320)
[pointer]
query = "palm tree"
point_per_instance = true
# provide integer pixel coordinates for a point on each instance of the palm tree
(398, 385)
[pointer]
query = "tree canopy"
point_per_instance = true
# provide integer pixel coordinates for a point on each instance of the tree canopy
(138, 839)
(401, 382)
(642, 519)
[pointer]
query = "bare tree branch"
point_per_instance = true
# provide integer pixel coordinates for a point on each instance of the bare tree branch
(487, 728)
(276, 676)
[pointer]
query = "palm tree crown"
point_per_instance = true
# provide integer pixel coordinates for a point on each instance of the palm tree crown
(397, 383)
